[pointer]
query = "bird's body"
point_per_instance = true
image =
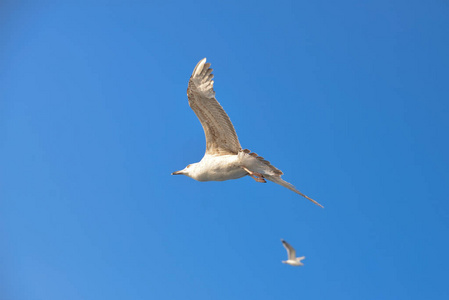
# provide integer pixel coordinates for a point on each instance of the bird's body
(217, 168)
(296, 263)
(292, 259)
(224, 158)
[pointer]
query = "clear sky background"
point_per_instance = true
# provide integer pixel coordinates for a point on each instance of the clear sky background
(348, 99)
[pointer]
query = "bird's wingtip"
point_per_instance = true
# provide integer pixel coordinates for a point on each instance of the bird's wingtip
(199, 67)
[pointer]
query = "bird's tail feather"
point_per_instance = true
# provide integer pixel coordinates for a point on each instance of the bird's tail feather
(279, 180)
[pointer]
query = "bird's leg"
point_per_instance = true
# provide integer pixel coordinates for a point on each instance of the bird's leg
(254, 175)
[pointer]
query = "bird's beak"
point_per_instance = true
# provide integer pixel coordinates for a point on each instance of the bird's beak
(177, 173)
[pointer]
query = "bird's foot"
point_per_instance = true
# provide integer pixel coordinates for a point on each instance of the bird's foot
(255, 175)
(259, 179)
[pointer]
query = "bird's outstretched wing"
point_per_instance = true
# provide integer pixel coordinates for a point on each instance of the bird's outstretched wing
(221, 138)
(290, 251)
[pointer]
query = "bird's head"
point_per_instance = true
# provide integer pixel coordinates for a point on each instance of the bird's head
(188, 171)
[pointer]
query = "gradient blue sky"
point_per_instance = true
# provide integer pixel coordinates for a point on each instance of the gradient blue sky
(349, 99)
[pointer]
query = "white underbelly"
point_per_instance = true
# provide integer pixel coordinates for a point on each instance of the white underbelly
(221, 168)
(221, 175)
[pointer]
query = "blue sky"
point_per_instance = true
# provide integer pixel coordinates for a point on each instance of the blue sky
(348, 99)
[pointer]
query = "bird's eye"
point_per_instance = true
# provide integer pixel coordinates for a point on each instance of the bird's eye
(188, 166)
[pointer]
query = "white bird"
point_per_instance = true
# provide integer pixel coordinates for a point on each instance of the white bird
(292, 259)
(224, 158)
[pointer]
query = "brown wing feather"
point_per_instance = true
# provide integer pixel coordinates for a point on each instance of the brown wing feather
(221, 138)
(266, 162)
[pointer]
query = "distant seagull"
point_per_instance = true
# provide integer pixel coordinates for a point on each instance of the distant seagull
(292, 259)
(224, 158)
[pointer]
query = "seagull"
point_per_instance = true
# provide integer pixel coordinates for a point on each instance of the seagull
(224, 158)
(292, 259)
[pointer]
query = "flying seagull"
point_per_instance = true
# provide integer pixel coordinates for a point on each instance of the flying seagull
(224, 158)
(292, 259)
